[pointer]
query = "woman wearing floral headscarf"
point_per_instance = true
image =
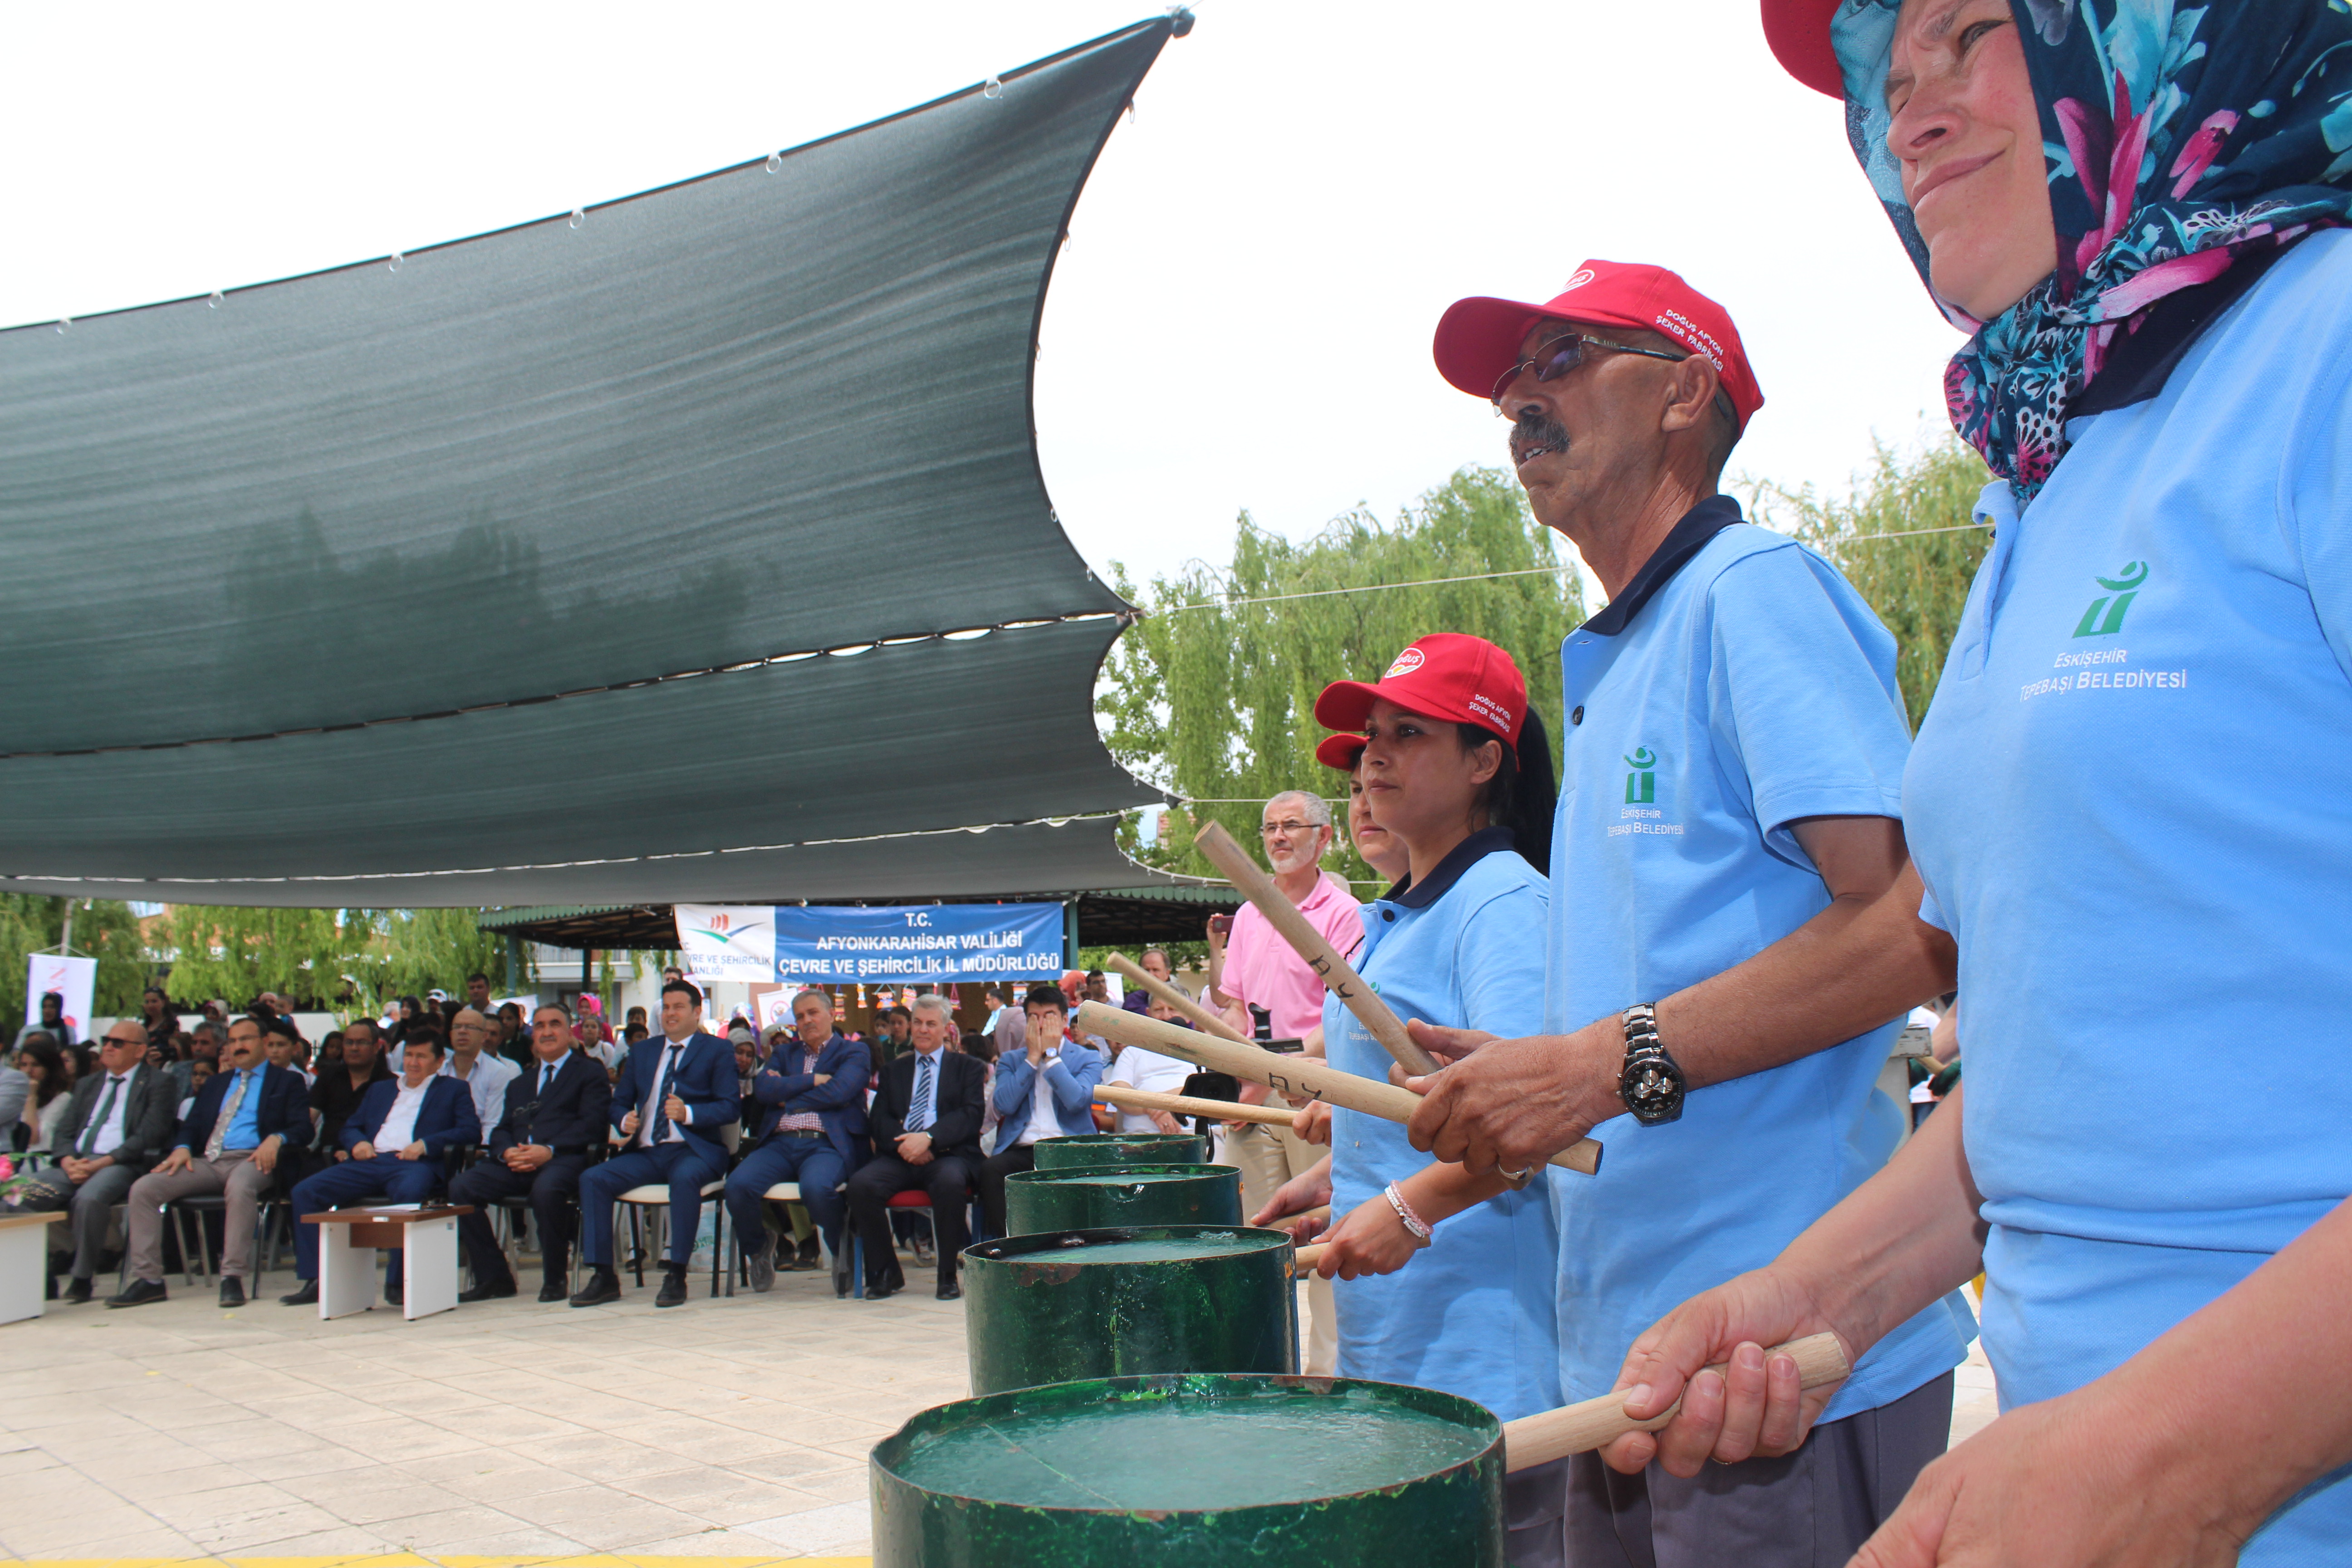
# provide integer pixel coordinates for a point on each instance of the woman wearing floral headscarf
(2131, 801)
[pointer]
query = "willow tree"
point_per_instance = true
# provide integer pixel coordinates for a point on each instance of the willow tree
(103, 928)
(330, 959)
(1904, 538)
(1211, 694)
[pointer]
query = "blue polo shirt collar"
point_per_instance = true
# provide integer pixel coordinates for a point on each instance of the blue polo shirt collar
(1701, 523)
(1409, 894)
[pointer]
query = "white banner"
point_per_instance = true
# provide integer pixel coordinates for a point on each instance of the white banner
(75, 979)
(728, 941)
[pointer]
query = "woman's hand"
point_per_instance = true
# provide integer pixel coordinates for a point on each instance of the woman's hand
(1312, 1123)
(2070, 1482)
(1371, 1239)
(1311, 1188)
(1757, 1405)
(1165, 1120)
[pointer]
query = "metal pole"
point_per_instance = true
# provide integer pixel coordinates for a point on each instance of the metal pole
(64, 941)
(514, 966)
(1069, 934)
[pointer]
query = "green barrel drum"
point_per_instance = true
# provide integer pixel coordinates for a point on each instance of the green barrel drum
(1112, 1198)
(1121, 1303)
(1096, 1149)
(1218, 1471)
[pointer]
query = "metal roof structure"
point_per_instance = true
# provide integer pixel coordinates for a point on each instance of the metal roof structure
(532, 567)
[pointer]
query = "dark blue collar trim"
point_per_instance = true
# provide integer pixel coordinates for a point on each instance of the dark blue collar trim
(1487, 841)
(1690, 536)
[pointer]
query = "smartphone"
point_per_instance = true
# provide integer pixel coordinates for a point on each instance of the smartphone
(1222, 924)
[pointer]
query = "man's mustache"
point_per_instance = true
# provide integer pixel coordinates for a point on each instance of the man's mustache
(1534, 431)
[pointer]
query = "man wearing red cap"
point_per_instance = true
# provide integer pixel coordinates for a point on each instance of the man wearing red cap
(1717, 1004)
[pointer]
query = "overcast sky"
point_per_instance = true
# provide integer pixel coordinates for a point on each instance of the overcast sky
(1241, 319)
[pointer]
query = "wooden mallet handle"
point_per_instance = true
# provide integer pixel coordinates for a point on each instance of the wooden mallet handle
(1118, 1094)
(1302, 1078)
(1340, 979)
(1173, 997)
(1592, 1424)
(1303, 1259)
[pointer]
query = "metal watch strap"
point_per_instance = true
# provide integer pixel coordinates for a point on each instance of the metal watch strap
(1648, 1064)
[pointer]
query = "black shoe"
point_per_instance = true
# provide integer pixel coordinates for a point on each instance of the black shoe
(759, 1268)
(50, 1290)
(394, 1291)
(492, 1292)
(603, 1285)
(951, 1291)
(306, 1294)
(555, 1290)
(673, 1288)
(138, 1293)
(809, 1255)
(77, 1290)
(881, 1290)
(232, 1292)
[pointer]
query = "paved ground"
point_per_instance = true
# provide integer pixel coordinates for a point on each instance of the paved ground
(502, 1433)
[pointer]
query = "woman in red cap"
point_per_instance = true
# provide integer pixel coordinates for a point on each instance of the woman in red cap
(1457, 771)
(2136, 761)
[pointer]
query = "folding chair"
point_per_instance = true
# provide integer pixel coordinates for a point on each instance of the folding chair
(651, 1199)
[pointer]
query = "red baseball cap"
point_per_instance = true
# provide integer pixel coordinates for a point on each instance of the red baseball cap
(1443, 676)
(1340, 751)
(1478, 339)
(1799, 32)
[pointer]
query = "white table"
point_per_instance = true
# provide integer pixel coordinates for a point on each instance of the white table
(350, 1238)
(25, 1264)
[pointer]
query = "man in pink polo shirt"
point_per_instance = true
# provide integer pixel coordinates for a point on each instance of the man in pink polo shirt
(1255, 967)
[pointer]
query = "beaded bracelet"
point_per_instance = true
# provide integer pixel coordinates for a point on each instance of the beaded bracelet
(1412, 1222)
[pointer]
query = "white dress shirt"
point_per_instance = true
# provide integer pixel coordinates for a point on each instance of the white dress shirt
(1044, 1118)
(488, 1083)
(110, 1131)
(399, 1129)
(673, 1052)
(1139, 1068)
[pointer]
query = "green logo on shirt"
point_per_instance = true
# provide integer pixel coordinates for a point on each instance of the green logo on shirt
(1642, 783)
(2123, 587)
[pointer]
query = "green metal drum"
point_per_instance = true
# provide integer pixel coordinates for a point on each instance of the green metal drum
(1096, 1148)
(1121, 1303)
(1114, 1196)
(1228, 1471)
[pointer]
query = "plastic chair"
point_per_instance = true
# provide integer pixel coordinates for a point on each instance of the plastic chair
(654, 1200)
(913, 1198)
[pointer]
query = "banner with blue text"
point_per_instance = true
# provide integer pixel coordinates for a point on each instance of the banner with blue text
(916, 944)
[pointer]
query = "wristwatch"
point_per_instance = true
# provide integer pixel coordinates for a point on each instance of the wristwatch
(1650, 1084)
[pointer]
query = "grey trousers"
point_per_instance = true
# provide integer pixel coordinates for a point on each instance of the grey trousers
(91, 1213)
(1811, 1508)
(1535, 1530)
(234, 1175)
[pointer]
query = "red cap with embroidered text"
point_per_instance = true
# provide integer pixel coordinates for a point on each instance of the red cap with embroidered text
(1478, 339)
(1444, 674)
(1340, 751)
(1799, 33)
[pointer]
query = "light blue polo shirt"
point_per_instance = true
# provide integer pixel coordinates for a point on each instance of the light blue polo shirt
(2132, 804)
(1749, 689)
(1473, 1313)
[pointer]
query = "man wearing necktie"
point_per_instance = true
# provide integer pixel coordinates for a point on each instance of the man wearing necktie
(242, 1121)
(555, 1120)
(926, 1122)
(674, 1094)
(118, 1124)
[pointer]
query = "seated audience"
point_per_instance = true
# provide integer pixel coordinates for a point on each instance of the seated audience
(673, 1096)
(52, 1023)
(1045, 1089)
(812, 1130)
(205, 1042)
(113, 1130)
(1139, 1068)
(555, 1121)
(518, 1039)
(925, 1118)
(47, 1080)
(242, 1120)
(396, 1140)
(337, 1094)
(473, 1062)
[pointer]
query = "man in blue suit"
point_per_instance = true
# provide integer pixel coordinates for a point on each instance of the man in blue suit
(396, 1140)
(812, 1130)
(1044, 1091)
(556, 1121)
(672, 1096)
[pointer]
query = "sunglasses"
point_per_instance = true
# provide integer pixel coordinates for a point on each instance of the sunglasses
(1564, 353)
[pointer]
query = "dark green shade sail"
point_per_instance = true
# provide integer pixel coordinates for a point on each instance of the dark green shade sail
(709, 528)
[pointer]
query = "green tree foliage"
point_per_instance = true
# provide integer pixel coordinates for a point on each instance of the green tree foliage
(1214, 698)
(102, 929)
(331, 960)
(1918, 585)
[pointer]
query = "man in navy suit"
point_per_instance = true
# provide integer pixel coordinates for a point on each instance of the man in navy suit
(672, 1096)
(242, 1122)
(555, 1120)
(396, 1140)
(812, 1130)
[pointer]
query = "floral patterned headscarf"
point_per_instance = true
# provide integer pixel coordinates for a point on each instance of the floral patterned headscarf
(2178, 139)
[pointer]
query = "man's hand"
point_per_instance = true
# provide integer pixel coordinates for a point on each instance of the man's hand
(914, 1148)
(176, 1161)
(78, 1170)
(1310, 1189)
(1758, 1406)
(675, 1108)
(524, 1157)
(823, 1079)
(1370, 1240)
(413, 1151)
(265, 1159)
(629, 1125)
(363, 1150)
(1165, 1120)
(1514, 1103)
(1311, 1123)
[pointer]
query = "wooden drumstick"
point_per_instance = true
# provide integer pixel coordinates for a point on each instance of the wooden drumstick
(1162, 991)
(1303, 1259)
(1591, 1424)
(1341, 980)
(1118, 1094)
(1302, 1078)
